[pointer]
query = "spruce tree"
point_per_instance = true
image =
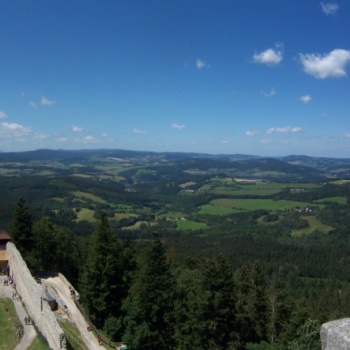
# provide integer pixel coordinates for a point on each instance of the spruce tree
(102, 281)
(149, 305)
(21, 228)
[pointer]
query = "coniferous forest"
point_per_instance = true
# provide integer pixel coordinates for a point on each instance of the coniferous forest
(184, 254)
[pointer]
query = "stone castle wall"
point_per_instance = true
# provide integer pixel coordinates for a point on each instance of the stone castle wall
(32, 296)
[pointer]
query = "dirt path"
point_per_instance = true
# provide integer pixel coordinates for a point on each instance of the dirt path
(29, 331)
(63, 296)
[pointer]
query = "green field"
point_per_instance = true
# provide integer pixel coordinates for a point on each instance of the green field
(338, 200)
(190, 225)
(224, 206)
(88, 196)
(229, 186)
(9, 324)
(86, 214)
(314, 224)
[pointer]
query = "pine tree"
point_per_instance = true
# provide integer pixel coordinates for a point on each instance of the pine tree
(103, 275)
(149, 305)
(21, 228)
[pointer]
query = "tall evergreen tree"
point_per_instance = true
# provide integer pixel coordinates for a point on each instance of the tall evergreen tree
(21, 228)
(102, 281)
(149, 305)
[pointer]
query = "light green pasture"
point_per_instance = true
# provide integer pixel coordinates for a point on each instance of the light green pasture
(190, 225)
(314, 224)
(86, 214)
(224, 206)
(339, 200)
(88, 196)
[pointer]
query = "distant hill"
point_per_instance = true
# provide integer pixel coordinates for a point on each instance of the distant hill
(293, 167)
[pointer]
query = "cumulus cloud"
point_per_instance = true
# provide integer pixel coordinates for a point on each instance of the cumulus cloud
(62, 139)
(270, 93)
(14, 130)
(138, 132)
(46, 102)
(104, 135)
(33, 105)
(265, 142)
(329, 8)
(285, 130)
(76, 128)
(3, 115)
(200, 64)
(177, 126)
(270, 56)
(306, 99)
(327, 65)
(88, 139)
(40, 136)
(252, 133)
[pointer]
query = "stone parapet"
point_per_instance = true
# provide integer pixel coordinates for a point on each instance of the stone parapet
(32, 294)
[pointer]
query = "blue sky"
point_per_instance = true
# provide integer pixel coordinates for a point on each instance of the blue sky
(261, 77)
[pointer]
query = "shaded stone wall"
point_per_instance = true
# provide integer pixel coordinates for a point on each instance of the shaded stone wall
(335, 335)
(32, 296)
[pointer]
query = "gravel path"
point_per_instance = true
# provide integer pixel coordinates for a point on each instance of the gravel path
(29, 331)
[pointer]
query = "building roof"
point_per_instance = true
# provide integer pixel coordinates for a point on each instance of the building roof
(4, 235)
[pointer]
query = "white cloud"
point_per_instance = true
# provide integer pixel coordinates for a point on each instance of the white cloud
(33, 105)
(62, 139)
(270, 93)
(40, 136)
(46, 102)
(285, 130)
(76, 128)
(3, 115)
(14, 130)
(224, 142)
(347, 136)
(138, 132)
(252, 133)
(270, 56)
(327, 65)
(329, 8)
(265, 142)
(200, 64)
(177, 126)
(104, 135)
(306, 98)
(88, 139)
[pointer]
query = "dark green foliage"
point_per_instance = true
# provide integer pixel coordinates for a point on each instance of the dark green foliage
(149, 305)
(102, 279)
(21, 228)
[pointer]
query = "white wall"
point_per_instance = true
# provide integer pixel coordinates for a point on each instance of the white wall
(31, 293)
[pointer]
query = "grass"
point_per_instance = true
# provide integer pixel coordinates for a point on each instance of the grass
(73, 337)
(223, 206)
(89, 197)
(339, 200)
(190, 225)
(39, 344)
(314, 224)
(11, 329)
(86, 214)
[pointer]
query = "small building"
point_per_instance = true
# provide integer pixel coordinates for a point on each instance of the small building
(4, 258)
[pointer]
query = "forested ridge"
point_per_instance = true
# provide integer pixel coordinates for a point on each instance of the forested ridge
(172, 257)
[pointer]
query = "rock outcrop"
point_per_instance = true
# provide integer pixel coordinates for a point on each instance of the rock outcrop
(335, 335)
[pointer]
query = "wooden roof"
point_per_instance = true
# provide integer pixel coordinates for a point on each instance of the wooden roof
(4, 235)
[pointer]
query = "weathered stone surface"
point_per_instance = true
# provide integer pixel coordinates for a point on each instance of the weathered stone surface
(32, 296)
(335, 335)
